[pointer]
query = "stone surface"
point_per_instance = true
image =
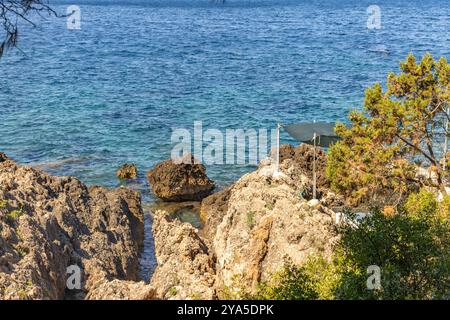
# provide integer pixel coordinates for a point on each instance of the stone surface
(127, 171)
(266, 221)
(48, 223)
(303, 156)
(172, 181)
(249, 230)
(120, 290)
(185, 267)
(212, 210)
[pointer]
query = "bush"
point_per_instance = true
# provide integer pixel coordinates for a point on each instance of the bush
(291, 283)
(411, 248)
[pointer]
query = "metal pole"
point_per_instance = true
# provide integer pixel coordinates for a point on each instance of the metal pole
(446, 141)
(277, 158)
(314, 168)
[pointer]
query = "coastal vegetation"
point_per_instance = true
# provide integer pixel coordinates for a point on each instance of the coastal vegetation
(411, 249)
(378, 163)
(398, 130)
(262, 237)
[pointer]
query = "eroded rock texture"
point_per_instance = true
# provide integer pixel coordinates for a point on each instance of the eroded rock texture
(185, 266)
(172, 181)
(48, 223)
(249, 230)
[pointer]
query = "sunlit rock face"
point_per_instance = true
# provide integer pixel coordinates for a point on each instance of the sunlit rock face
(267, 221)
(49, 223)
(249, 229)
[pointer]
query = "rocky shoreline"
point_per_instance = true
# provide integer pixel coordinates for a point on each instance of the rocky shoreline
(48, 224)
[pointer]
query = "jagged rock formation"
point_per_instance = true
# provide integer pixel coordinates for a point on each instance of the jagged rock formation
(127, 171)
(179, 182)
(303, 156)
(249, 229)
(212, 210)
(265, 222)
(48, 223)
(185, 267)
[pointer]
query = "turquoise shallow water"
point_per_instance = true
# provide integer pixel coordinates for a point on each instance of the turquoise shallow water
(85, 101)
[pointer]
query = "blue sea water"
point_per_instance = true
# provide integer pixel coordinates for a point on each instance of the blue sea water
(82, 102)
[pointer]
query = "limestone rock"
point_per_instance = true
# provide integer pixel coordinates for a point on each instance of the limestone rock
(127, 171)
(185, 267)
(265, 222)
(172, 181)
(287, 151)
(249, 229)
(303, 156)
(3, 157)
(48, 223)
(102, 289)
(212, 210)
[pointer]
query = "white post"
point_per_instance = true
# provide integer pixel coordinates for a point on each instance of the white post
(277, 157)
(314, 168)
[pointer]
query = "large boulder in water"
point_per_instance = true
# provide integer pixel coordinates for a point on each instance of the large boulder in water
(180, 180)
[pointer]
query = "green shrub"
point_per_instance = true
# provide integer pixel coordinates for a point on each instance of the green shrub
(291, 283)
(173, 291)
(421, 205)
(15, 214)
(3, 203)
(411, 248)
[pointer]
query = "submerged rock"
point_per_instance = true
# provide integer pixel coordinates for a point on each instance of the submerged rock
(49, 223)
(178, 182)
(188, 211)
(127, 171)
